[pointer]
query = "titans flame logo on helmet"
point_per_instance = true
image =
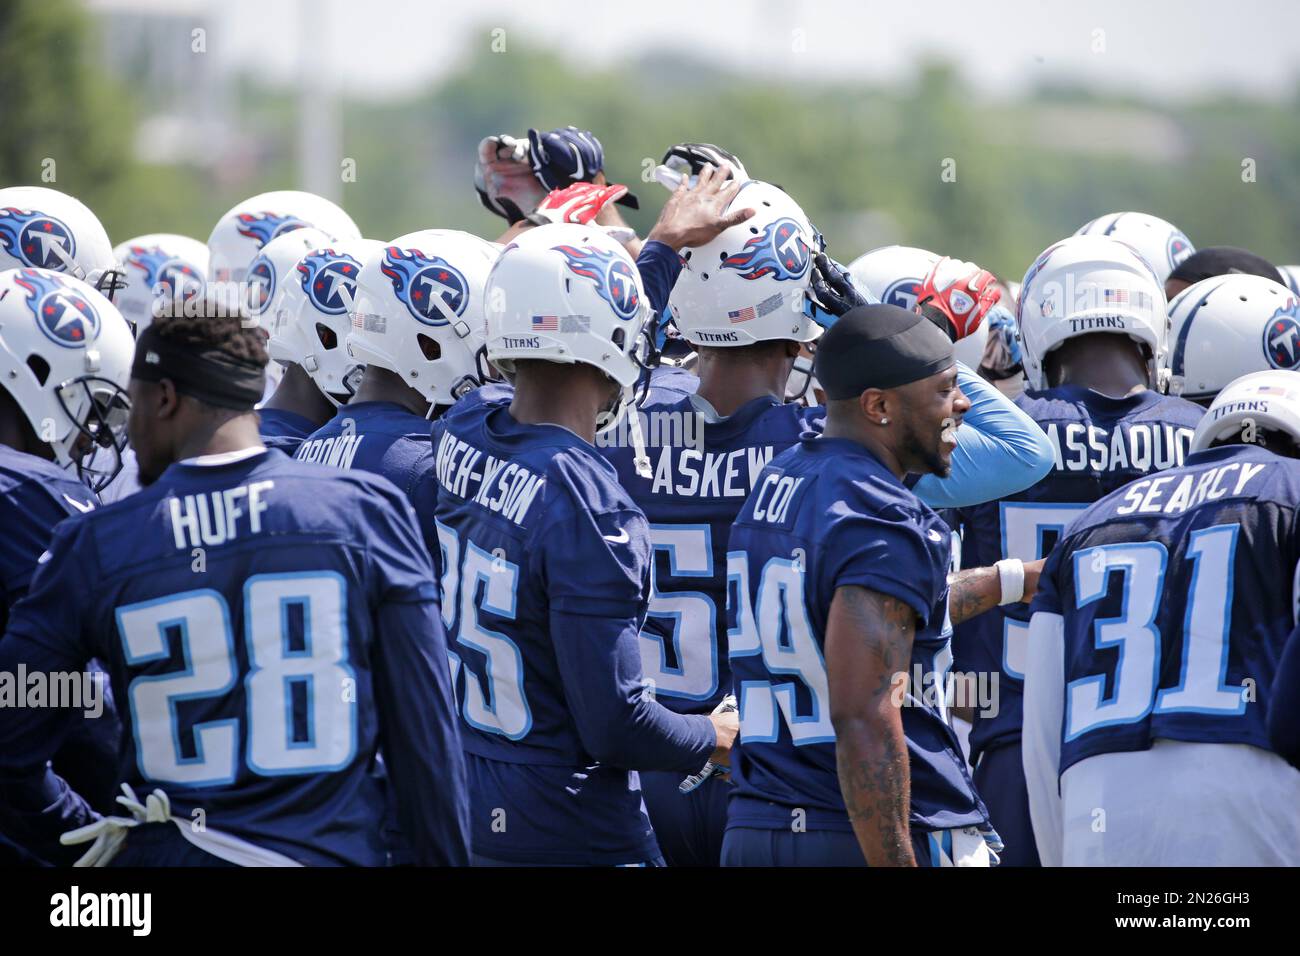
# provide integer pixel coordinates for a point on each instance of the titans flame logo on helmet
(164, 274)
(780, 251)
(330, 280)
(66, 318)
(420, 280)
(30, 237)
(262, 227)
(613, 277)
(260, 282)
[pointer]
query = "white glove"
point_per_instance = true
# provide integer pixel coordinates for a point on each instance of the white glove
(504, 177)
(109, 833)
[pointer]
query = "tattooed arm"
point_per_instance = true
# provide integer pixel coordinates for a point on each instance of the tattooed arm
(977, 590)
(868, 642)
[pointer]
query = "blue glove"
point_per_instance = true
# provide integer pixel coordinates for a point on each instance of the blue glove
(566, 156)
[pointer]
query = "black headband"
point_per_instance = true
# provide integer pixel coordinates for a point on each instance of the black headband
(210, 375)
(879, 346)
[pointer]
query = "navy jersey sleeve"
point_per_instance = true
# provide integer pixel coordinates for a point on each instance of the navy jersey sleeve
(594, 563)
(54, 611)
(885, 552)
(398, 548)
(45, 635)
(1284, 709)
(659, 266)
(28, 520)
(597, 567)
(419, 730)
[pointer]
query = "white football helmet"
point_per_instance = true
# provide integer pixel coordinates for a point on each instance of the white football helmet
(567, 293)
(750, 284)
(894, 275)
(65, 357)
(1161, 243)
(46, 229)
(270, 271)
(1228, 326)
(241, 233)
(1291, 276)
(1260, 400)
(313, 299)
(420, 311)
(157, 266)
(1088, 284)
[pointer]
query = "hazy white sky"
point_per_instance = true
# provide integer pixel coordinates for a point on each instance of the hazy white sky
(1165, 48)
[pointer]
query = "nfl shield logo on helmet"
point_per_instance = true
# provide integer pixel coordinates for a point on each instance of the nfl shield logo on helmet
(62, 314)
(432, 289)
(1282, 337)
(262, 227)
(31, 237)
(614, 279)
(330, 280)
(779, 251)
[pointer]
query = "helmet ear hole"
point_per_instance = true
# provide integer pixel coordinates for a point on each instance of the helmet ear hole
(618, 338)
(40, 368)
(430, 347)
(326, 335)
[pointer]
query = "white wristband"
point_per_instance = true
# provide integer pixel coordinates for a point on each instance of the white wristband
(1011, 572)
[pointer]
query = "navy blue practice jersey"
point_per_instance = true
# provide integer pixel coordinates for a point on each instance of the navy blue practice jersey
(35, 495)
(284, 430)
(703, 469)
(545, 577)
(1177, 597)
(824, 515)
(386, 439)
(1101, 444)
(266, 624)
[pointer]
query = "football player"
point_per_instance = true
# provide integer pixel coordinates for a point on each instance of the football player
(64, 360)
(418, 325)
(271, 626)
(298, 406)
(1227, 326)
(1153, 650)
(248, 226)
(741, 301)
(1092, 320)
(1160, 243)
(842, 607)
(545, 559)
(160, 272)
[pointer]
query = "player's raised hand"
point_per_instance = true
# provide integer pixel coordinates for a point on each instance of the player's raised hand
(833, 287)
(727, 725)
(504, 177)
(690, 158)
(956, 296)
(696, 215)
(579, 203)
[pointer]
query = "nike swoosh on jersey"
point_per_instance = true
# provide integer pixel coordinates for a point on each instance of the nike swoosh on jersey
(83, 507)
(621, 538)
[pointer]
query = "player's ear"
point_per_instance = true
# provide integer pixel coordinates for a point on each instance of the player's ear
(167, 401)
(874, 405)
